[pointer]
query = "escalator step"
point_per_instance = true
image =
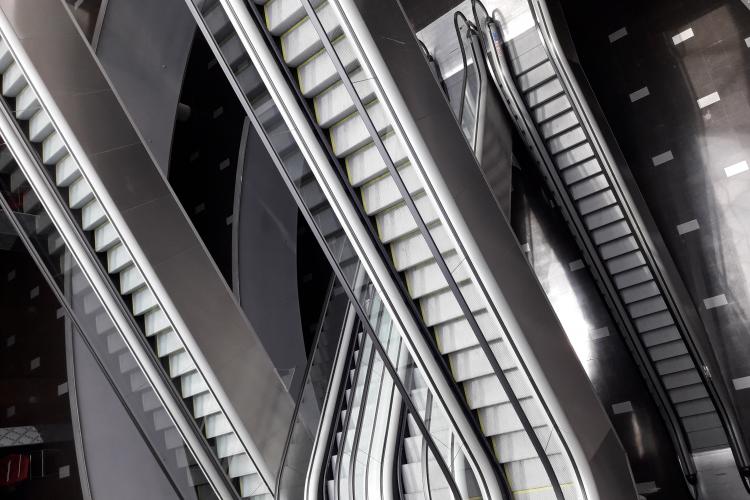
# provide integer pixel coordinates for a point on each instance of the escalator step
(588, 186)
(537, 76)
(602, 217)
(625, 262)
(654, 321)
(566, 141)
(550, 109)
(574, 156)
(617, 247)
(640, 292)
(633, 277)
(647, 306)
(558, 125)
(544, 93)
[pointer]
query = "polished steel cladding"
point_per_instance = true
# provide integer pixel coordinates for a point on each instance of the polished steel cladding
(359, 249)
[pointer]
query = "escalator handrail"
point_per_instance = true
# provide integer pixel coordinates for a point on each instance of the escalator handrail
(347, 419)
(400, 460)
(677, 432)
(28, 163)
(308, 366)
(76, 151)
(360, 422)
(338, 407)
(471, 30)
(548, 36)
(432, 245)
(233, 11)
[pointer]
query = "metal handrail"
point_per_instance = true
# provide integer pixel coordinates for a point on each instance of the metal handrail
(470, 27)
(42, 93)
(432, 245)
(680, 439)
(549, 39)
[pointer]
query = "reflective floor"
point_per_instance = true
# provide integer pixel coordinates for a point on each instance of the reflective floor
(717, 476)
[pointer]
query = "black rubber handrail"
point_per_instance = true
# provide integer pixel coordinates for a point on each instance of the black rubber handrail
(472, 33)
(432, 245)
(400, 456)
(114, 292)
(459, 16)
(425, 452)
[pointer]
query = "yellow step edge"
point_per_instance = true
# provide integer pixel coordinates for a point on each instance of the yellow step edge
(539, 489)
(302, 21)
(265, 14)
(355, 112)
(307, 61)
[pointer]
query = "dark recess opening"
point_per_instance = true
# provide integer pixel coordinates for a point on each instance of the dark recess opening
(205, 149)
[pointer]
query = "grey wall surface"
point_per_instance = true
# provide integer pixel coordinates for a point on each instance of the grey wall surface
(144, 48)
(267, 260)
(120, 466)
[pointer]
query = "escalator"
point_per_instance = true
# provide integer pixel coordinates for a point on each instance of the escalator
(164, 429)
(52, 167)
(479, 357)
(380, 199)
(555, 123)
(239, 48)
